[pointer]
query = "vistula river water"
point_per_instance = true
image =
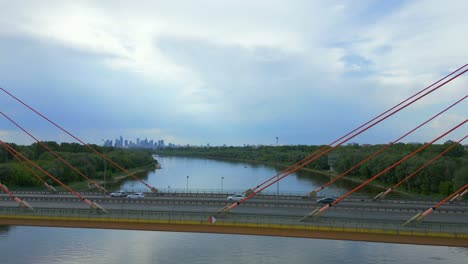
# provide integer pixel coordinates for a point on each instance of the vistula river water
(42, 245)
(196, 174)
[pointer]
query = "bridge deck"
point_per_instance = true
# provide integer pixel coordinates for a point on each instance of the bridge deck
(266, 229)
(356, 219)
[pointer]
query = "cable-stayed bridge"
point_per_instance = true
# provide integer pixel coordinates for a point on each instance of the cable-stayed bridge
(442, 222)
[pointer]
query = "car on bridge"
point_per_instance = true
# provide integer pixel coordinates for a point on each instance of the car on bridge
(236, 197)
(119, 194)
(136, 195)
(326, 200)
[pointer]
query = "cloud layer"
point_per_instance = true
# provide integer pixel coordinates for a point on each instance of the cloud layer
(229, 72)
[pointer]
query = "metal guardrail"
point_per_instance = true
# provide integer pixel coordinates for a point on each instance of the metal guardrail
(215, 193)
(259, 220)
(226, 192)
(260, 201)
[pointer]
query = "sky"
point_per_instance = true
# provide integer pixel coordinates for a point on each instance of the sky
(230, 72)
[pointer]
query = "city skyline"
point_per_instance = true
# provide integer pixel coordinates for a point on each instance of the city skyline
(122, 142)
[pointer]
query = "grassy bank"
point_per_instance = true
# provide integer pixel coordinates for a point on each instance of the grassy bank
(111, 183)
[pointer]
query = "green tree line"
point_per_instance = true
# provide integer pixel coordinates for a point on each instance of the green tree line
(443, 176)
(14, 173)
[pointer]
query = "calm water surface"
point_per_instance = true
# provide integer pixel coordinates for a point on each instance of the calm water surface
(212, 175)
(26, 245)
(41, 245)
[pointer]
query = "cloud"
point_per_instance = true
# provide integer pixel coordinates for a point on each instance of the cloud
(228, 70)
(4, 133)
(445, 123)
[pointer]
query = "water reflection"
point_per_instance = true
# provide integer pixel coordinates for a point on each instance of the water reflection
(209, 175)
(4, 230)
(62, 245)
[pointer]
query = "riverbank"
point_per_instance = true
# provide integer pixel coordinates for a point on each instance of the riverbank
(113, 181)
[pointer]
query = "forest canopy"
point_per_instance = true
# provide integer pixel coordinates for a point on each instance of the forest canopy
(15, 173)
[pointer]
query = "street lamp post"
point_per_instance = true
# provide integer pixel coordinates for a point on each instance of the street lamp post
(187, 182)
(105, 171)
(277, 175)
(222, 179)
(105, 168)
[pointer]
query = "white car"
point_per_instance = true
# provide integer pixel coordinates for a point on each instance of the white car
(118, 194)
(136, 195)
(235, 197)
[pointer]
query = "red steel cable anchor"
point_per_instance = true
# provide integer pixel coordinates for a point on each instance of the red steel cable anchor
(420, 216)
(20, 202)
(459, 196)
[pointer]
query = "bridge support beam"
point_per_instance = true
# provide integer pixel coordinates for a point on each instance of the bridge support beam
(316, 212)
(462, 194)
(360, 234)
(50, 187)
(23, 204)
(99, 208)
(412, 219)
(309, 215)
(420, 216)
(95, 206)
(314, 192)
(248, 192)
(383, 194)
(223, 210)
(459, 196)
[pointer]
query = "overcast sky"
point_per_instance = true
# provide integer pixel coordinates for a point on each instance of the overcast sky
(230, 72)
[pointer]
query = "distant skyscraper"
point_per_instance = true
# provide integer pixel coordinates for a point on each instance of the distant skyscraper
(145, 143)
(160, 143)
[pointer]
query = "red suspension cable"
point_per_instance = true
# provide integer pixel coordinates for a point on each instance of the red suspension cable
(420, 216)
(234, 205)
(21, 203)
(326, 207)
(383, 194)
(386, 147)
(79, 140)
(88, 202)
(353, 131)
(55, 154)
(49, 187)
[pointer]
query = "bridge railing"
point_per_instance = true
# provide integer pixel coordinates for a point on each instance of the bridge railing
(233, 219)
(207, 193)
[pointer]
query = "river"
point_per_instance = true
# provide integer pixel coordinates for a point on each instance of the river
(233, 177)
(42, 245)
